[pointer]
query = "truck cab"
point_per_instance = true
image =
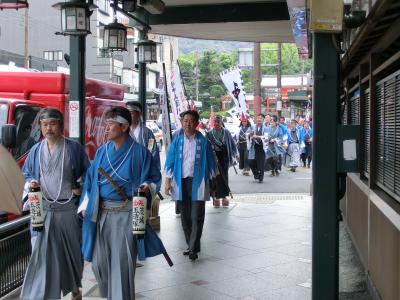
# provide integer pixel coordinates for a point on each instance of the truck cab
(24, 94)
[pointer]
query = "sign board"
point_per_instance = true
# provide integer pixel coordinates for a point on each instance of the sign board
(326, 15)
(73, 119)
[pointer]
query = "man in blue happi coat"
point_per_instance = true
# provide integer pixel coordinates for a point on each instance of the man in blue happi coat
(107, 225)
(189, 167)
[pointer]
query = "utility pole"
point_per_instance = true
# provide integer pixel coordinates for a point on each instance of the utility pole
(257, 79)
(197, 76)
(142, 80)
(279, 81)
(325, 229)
(26, 42)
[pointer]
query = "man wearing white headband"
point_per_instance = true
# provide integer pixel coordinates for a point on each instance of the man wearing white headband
(107, 225)
(140, 133)
(55, 164)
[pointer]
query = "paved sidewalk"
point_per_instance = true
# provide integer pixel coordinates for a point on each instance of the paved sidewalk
(258, 248)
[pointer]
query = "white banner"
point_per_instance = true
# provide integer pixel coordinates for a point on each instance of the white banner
(177, 95)
(166, 122)
(232, 80)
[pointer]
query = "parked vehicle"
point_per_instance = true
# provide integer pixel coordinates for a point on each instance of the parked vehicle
(23, 94)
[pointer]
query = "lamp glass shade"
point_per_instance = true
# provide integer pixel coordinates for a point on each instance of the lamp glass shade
(147, 51)
(75, 18)
(114, 37)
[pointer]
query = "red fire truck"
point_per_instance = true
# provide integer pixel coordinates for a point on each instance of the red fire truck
(23, 94)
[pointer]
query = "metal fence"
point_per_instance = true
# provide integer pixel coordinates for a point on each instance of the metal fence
(15, 251)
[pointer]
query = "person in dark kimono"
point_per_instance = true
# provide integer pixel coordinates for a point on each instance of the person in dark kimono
(226, 153)
(242, 138)
(108, 241)
(257, 146)
(55, 164)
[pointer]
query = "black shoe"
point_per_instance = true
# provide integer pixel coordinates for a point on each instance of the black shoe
(193, 256)
(276, 173)
(260, 180)
(186, 252)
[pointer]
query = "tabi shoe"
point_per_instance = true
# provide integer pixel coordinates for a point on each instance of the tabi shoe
(76, 295)
(225, 202)
(246, 173)
(216, 203)
(186, 252)
(193, 256)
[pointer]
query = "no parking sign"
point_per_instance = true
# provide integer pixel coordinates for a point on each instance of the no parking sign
(74, 119)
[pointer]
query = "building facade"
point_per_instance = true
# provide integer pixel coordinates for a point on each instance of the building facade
(47, 49)
(370, 98)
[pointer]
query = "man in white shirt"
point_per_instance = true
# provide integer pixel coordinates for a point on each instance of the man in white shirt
(189, 167)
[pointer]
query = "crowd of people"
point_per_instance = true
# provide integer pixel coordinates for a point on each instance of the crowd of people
(271, 144)
(88, 216)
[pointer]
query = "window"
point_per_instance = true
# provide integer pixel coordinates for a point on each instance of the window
(3, 115)
(355, 109)
(53, 55)
(27, 127)
(104, 6)
(388, 138)
(365, 135)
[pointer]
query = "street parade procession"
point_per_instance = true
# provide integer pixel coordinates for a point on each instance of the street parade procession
(103, 180)
(99, 211)
(199, 149)
(101, 207)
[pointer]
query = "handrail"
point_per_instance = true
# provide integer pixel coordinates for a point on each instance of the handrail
(14, 224)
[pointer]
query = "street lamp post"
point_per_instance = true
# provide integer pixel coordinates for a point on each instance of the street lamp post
(147, 53)
(75, 22)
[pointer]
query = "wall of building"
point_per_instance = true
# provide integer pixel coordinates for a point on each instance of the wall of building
(369, 96)
(375, 229)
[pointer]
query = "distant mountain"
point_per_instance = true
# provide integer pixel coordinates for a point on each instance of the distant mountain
(189, 45)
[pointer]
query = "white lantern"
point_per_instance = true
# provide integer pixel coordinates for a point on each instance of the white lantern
(114, 37)
(75, 17)
(147, 51)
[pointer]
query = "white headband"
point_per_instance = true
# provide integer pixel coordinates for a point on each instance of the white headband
(118, 119)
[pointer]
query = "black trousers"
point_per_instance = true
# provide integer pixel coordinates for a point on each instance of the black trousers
(257, 165)
(192, 216)
(243, 156)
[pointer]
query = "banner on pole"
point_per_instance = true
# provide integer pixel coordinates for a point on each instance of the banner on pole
(232, 80)
(178, 99)
(166, 122)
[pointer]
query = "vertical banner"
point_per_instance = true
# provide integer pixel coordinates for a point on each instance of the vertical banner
(166, 122)
(178, 99)
(232, 80)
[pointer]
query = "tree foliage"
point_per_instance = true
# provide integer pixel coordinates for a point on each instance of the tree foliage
(210, 63)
